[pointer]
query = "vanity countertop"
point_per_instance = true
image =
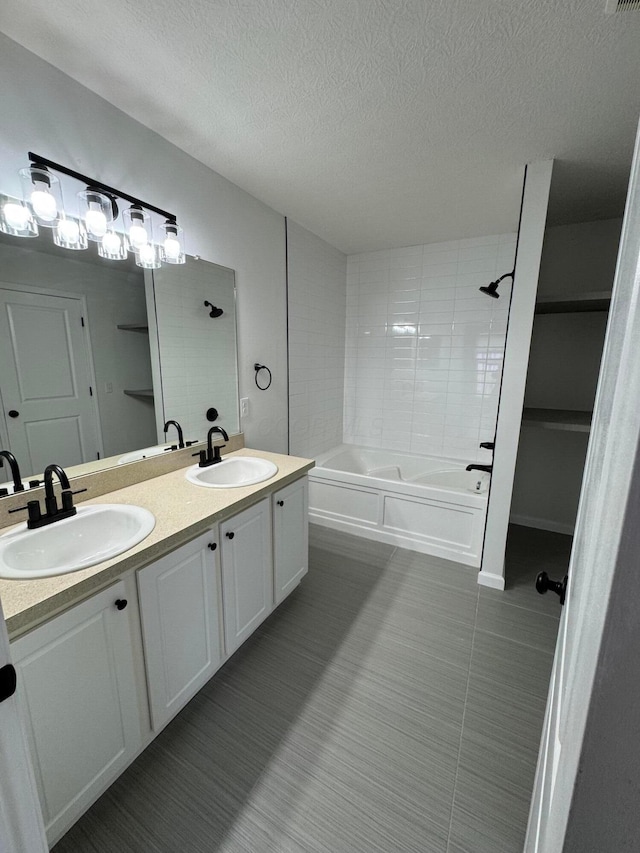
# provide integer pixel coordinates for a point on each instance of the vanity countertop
(182, 512)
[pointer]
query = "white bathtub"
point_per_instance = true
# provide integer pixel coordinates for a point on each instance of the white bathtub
(424, 503)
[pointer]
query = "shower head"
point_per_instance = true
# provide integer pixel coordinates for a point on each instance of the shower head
(215, 312)
(491, 289)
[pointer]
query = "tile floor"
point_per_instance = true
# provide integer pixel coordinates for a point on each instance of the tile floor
(389, 706)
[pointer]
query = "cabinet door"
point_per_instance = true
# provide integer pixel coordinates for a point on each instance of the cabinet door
(78, 699)
(180, 625)
(247, 573)
(290, 537)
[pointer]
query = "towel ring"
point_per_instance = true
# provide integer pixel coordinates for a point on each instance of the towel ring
(258, 367)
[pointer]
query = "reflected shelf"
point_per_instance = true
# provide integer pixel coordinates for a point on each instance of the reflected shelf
(145, 393)
(598, 300)
(561, 419)
(133, 327)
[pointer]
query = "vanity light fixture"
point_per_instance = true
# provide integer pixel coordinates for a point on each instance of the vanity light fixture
(70, 233)
(42, 192)
(98, 218)
(16, 218)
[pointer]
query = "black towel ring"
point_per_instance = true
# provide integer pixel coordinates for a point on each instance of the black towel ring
(258, 367)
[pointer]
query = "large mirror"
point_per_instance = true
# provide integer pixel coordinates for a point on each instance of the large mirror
(95, 355)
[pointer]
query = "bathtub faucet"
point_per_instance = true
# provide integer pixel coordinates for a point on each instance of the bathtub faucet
(474, 467)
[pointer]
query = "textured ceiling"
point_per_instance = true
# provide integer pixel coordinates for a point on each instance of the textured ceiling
(374, 123)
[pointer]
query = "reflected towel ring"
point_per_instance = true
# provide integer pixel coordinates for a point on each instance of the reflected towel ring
(258, 367)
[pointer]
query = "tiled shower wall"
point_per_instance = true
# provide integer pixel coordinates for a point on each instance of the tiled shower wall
(424, 347)
(317, 298)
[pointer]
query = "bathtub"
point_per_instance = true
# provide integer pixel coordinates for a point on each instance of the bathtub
(424, 503)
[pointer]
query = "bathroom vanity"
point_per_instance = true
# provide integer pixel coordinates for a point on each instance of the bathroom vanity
(106, 656)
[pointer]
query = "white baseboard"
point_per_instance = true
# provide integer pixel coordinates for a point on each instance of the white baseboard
(542, 524)
(491, 579)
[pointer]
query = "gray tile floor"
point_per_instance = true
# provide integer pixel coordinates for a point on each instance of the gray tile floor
(389, 706)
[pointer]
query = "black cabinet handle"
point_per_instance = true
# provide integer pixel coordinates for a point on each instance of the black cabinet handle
(13, 413)
(121, 603)
(280, 503)
(230, 534)
(8, 682)
(212, 546)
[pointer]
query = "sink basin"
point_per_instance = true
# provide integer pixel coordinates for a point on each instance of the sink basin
(230, 473)
(94, 534)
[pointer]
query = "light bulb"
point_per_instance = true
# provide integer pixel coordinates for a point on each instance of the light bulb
(138, 236)
(69, 231)
(44, 205)
(172, 247)
(16, 215)
(146, 252)
(96, 222)
(111, 243)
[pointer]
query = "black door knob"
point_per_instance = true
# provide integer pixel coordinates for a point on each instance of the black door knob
(544, 583)
(121, 603)
(230, 534)
(280, 503)
(13, 413)
(212, 546)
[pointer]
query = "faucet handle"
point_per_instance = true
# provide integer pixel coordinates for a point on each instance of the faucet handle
(33, 508)
(191, 443)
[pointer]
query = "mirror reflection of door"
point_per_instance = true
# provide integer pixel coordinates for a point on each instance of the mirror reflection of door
(47, 383)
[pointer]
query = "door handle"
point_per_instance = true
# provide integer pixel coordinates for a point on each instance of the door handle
(8, 681)
(13, 413)
(544, 583)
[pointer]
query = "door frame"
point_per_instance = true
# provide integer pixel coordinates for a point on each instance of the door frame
(82, 299)
(595, 787)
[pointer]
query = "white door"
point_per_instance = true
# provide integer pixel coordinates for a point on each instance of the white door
(613, 463)
(247, 572)
(180, 625)
(45, 383)
(21, 825)
(77, 694)
(290, 507)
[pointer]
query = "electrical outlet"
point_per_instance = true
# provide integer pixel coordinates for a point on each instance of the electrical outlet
(108, 387)
(244, 407)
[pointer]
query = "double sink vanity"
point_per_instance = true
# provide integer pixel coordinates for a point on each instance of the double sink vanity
(135, 602)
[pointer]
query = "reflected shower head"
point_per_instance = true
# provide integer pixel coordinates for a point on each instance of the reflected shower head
(491, 289)
(215, 312)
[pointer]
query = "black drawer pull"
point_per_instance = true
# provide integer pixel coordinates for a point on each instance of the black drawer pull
(280, 503)
(230, 534)
(212, 546)
(121, 603)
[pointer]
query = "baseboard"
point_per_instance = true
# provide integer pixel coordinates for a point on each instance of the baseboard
(542, 524)
(491, 579)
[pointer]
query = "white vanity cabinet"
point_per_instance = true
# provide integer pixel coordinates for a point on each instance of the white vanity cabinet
(78, 699)
(180, 614)
(247, 572)
(290, 508)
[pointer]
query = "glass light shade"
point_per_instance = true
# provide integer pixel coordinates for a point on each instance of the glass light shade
(16, 218)
(113, 246)
(96, 209)
(149, 257)
(137, 225)
(173, 244)
(70, 233)
(42, 191)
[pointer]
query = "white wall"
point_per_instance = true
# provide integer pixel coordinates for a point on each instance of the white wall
(120, 358)
(425, 348)
(47, 112)
(564, 363)
(317, 304)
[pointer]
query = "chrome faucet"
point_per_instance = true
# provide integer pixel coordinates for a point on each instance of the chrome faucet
(212, 454)
(15, 470)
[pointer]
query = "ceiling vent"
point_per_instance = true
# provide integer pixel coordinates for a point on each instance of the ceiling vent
(615, 6)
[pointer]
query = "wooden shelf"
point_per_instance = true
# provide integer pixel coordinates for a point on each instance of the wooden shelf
(146, 393)
(133, 327)
(599, 300)
(563, 419)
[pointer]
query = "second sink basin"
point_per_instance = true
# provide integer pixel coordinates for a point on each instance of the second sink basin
(96, 533)
(230, 473)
